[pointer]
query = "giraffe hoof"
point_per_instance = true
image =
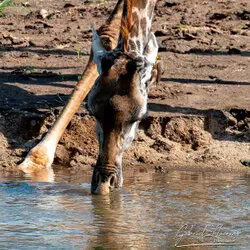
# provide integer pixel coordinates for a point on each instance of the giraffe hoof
(38, 159)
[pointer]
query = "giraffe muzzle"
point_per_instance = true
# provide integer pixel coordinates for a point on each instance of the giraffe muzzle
(104, 181)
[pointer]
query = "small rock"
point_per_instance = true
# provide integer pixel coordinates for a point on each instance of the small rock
(159, 169)
(62, 155)
(161, 146)
(16, 40)
(25, 54)
(33, 43)
(247, 121)
(26, 4)
(73, 163)
(19, 152)
(241, 125)
(44, 13)
(80, 159)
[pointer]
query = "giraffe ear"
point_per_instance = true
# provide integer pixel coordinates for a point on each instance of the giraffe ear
(151, 49)
(97, 48)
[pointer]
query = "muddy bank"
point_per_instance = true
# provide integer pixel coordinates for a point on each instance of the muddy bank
(212, 141)
(198, 113)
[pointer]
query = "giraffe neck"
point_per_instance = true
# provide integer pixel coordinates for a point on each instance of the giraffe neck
(141, 20)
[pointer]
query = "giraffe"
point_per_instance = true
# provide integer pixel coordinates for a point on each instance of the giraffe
(121, 68)
(118, 99)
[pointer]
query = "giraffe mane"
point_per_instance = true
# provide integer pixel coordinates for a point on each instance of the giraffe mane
(126, 23)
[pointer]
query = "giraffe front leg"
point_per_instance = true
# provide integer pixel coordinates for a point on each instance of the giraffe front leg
(41, 157)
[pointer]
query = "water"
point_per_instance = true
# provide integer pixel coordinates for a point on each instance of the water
(151, 211)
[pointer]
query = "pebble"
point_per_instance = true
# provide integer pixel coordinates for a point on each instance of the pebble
(44, 13)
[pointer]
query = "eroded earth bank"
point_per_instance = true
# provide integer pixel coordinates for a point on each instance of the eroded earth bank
(199, 114)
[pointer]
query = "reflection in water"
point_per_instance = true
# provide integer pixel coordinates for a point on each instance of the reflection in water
(43, 175)
(146, 214)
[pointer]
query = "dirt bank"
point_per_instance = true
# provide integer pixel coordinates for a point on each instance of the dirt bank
(199, 114)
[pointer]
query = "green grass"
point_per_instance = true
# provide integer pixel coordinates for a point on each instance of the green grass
(4, 4)
(78, 53)
(9, 3)
(62, 77)
(79, 78)
(27, 68)
(180, 26)
(241, 28)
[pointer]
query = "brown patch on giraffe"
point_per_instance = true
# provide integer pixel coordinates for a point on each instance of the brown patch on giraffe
(134, 17)
(138, 45)
(140, 4)
(144, 23)
(143, 26)
(133, 45)
(134, 30)
(126, 24)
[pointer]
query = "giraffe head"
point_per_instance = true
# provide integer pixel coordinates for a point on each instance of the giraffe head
(118, 101)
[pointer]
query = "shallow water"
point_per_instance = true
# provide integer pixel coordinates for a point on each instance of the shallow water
(151, 211)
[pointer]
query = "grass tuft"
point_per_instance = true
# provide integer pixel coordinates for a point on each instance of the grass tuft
(4, 4)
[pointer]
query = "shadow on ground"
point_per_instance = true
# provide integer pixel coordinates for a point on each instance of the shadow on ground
(202, 81)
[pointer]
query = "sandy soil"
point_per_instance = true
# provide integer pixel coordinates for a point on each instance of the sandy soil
(199, 114)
